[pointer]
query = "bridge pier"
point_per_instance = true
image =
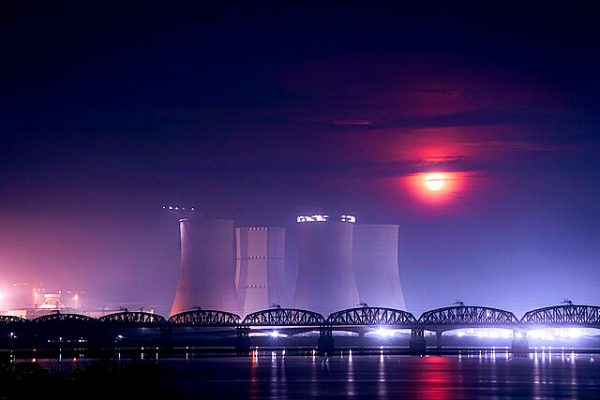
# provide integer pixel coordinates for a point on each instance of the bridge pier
(519, 344)
(166, 337)
(326, 344)
(361, 340)
(417, 345)
(242, 343)
(438, 340)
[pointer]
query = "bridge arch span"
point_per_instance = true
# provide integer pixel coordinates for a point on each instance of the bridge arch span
(372, 316)
(64, 318)
(205, 318)
(11, 320)
(284, 317)
(563, 316)
(461, 316)
(137, 318)
(58, 328)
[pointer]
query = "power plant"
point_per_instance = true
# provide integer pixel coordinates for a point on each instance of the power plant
(260, 267)
(242, 270)
(326, 281)
(375, 252)
(207, 276)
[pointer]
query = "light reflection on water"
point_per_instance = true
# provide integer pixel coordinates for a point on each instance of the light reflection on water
(381, 378)
(543, 374)
(436, 377)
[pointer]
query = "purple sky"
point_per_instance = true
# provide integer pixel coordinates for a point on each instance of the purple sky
(260, 113)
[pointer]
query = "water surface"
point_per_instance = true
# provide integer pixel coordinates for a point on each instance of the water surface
(489, 376)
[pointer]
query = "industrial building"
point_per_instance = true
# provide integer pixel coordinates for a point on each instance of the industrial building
(260, 267)
(242, 270)
(207, 275)
(375, 257)
(326, 281)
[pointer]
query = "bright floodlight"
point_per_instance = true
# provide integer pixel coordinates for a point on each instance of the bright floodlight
(575, 333)
(384, 333)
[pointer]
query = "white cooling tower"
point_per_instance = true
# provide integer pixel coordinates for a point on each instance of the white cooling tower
(376, 266)
(207, 276)
(260, 278)
(325, 281)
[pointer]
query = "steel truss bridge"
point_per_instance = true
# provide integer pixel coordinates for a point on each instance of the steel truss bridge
(294, 321)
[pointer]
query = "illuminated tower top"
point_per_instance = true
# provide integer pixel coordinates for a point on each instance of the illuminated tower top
(325, 218)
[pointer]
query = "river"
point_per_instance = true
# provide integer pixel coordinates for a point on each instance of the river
(488, 375)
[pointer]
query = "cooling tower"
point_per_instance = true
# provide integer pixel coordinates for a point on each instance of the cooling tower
(207, 277)
(260, 278)
(376, 265)
(325, 275)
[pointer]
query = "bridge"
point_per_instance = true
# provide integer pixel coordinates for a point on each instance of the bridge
(205, 318)
(559, 316)
(66, 328)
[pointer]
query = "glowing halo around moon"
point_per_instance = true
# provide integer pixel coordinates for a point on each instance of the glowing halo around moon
(435, 181)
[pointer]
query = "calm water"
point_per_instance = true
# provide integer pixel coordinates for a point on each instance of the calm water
(491, 376)
(494, 375)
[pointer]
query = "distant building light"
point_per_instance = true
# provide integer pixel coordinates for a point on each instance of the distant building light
(348, 218)
(312, 218)
(324, 218)
(178, 208)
